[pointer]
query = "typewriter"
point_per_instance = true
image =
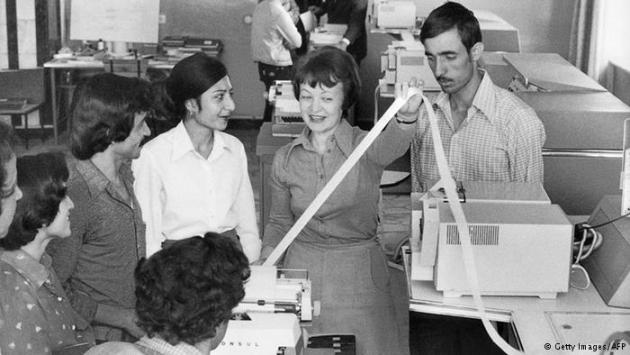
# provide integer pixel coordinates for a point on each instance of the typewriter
(267, 321)
(287, 119)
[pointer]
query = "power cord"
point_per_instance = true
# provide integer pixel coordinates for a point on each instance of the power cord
(611, 221)
(582, 250)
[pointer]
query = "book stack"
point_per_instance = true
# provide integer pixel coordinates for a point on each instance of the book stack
(211, 47)
(12, 104)
(184, 46)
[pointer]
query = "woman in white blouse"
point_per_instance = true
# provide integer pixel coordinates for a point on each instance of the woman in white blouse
(193, 178)
(274, 34)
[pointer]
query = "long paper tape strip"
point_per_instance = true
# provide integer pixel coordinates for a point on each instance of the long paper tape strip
(447, 182)
(338, 177)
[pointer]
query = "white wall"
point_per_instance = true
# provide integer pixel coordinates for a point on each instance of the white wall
(544, 25)
(4, 50)
(27, 42)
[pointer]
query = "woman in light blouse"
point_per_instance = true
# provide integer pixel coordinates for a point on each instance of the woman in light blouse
(338, 246)
(273, 35)
(193, 178)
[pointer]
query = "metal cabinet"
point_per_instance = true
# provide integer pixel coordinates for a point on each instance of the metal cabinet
(582, 153)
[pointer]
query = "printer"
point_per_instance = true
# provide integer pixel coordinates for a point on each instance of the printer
(394, 14)
(287, 119)
(404, 60)
(521, 242)
(187, 45)
(267, 321)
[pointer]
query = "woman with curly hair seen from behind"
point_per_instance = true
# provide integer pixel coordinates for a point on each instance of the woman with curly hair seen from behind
(36, 315)
(185, 296)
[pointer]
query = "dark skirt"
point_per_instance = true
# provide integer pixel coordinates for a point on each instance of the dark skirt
(353, 285)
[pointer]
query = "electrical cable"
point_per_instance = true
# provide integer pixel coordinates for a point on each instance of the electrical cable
(588, 232)
(576, 263)
(611, 221)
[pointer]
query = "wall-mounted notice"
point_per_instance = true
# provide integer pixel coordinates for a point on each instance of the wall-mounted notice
(115, 20)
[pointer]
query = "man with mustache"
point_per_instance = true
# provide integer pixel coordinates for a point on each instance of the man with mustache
(488, 133)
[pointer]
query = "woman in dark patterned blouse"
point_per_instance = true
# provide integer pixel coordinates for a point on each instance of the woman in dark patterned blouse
(36, 316)
(10, 192)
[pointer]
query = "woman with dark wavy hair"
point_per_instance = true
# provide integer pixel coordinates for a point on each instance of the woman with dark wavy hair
(10, 193)
(36, 315)
(185, 296)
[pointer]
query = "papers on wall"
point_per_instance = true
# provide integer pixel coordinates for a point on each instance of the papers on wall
(115, 20)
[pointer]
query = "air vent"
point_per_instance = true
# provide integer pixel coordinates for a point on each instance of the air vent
(479, 235)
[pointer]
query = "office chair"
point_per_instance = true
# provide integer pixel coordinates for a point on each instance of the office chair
(22, 92)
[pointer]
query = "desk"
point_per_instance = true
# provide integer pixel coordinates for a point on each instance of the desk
(329, 34)
(532, 318)
(67, 64)
(266, 146)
